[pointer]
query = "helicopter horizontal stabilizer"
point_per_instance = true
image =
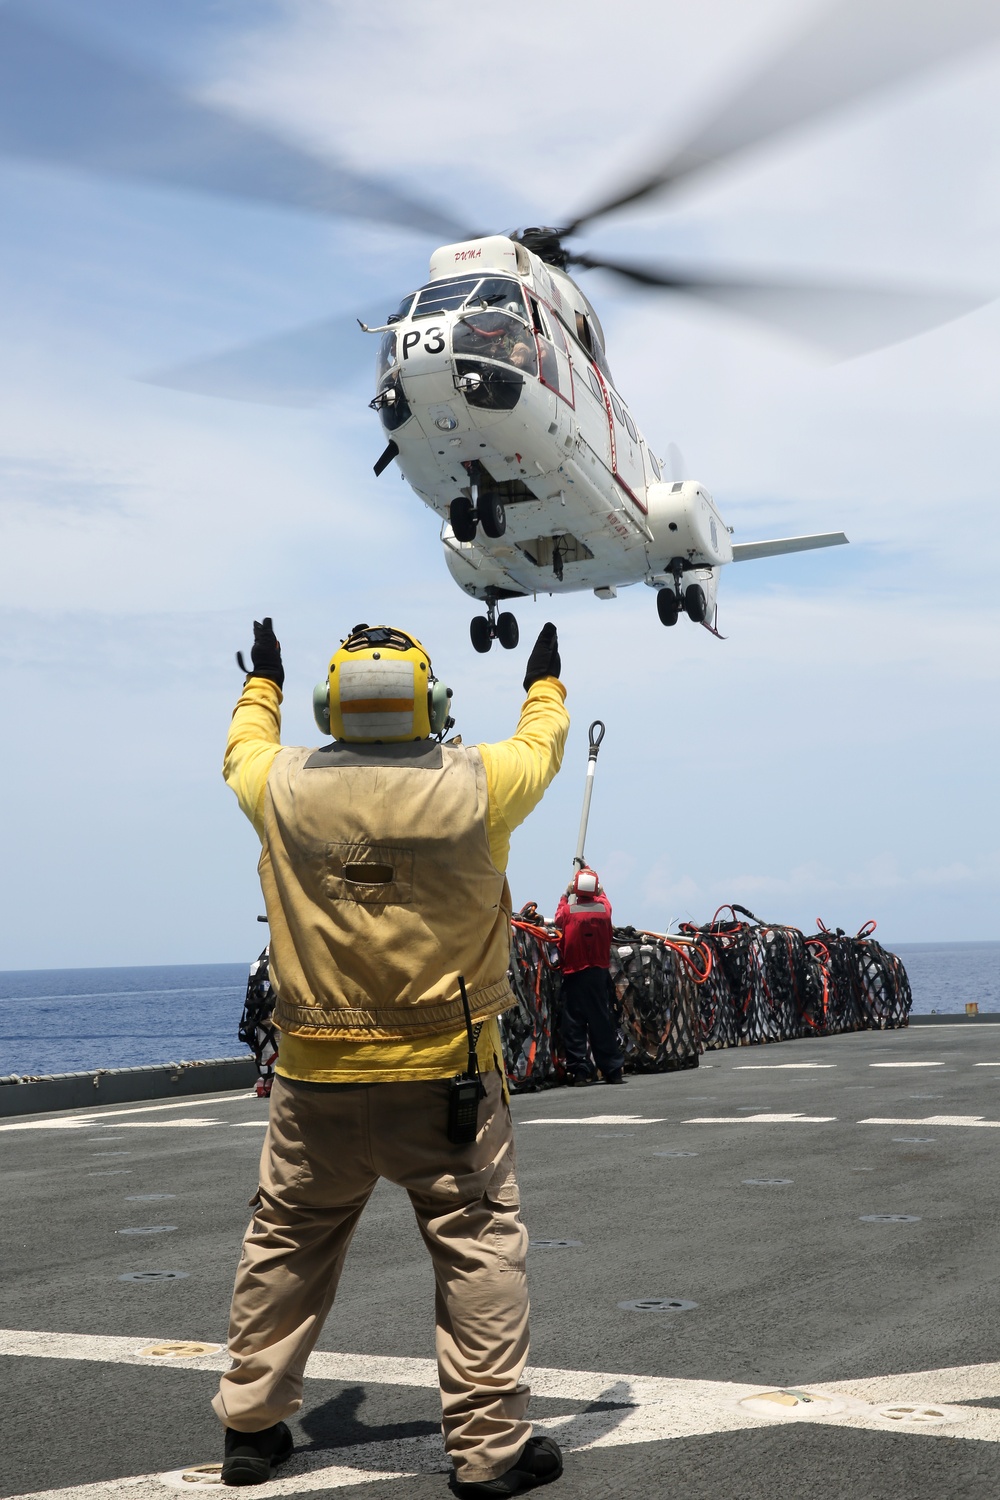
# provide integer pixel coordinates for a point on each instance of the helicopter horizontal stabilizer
(747, 551)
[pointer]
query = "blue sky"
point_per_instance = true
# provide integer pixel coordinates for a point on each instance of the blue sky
(835, 756)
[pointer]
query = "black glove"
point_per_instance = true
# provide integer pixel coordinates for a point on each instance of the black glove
(544, 659)
(266, 653)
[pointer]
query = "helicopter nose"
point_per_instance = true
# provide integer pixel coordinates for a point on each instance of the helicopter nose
(426, 363)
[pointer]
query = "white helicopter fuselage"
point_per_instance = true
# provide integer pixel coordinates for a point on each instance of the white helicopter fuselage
(501, 412)
(585, 504)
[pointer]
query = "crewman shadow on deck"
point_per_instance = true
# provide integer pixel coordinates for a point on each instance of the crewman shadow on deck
(335, 1424)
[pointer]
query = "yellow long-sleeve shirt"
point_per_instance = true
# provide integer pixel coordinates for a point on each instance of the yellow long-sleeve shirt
(518, 771)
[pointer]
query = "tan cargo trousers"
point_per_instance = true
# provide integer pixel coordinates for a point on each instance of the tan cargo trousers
(326, 1147)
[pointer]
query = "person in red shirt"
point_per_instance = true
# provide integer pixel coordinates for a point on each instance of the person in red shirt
(584, 918)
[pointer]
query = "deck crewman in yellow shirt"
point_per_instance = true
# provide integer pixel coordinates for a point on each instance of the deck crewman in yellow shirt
(382, 869)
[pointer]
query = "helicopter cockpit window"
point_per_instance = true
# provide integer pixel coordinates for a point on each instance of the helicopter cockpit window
(401, 310)
(616, 408)
(654, 463)
(386, 355)
(500, 292)
(474, 291)
(493, 335)
(444, 296)
(630, 425)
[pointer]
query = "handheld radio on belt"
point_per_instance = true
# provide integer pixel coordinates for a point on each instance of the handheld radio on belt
(466, 1088)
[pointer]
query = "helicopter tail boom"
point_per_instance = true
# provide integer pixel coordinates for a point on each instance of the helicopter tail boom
(748, 551)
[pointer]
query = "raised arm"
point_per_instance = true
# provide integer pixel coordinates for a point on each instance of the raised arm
(255, 731)
(518, 770)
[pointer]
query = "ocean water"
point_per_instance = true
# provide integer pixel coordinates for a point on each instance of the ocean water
(69, 1020)
(946, 976)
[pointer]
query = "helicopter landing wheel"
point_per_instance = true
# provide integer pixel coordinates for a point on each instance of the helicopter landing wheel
(462, 516)
(481, 634)
(695, 602)
(492, 516)
(667, 606)
(507, 632)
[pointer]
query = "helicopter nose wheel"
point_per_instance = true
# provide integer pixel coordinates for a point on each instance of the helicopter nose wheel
(489, 512)
(695, 602)
(462, 515)
(667, 606)
(503, 628)
(492, 516)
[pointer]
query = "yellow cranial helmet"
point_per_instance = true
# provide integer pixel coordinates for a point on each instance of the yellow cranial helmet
(380, 689)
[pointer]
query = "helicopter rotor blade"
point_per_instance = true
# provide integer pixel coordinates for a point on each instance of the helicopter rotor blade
(297, 368)
(847, 319)
(114, 118)
(853, 48)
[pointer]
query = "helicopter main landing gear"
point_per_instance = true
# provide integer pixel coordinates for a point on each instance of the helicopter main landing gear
(483, 631)
(695, 602)
(486, 510)
(670, 601)
(667, 606)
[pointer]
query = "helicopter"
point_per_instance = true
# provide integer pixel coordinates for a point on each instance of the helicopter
(492, 384)
(501, 412)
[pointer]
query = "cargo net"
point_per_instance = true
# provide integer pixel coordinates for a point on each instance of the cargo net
(656, 997)
(256, 1028)
(656, 1004)
(770, 983)
(733, 982)
(862, 978)
(529, 1029)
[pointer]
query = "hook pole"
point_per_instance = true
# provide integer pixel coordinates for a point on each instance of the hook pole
(595, 736)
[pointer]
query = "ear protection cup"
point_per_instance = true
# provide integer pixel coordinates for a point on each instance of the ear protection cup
(438, 704)
(321, 706)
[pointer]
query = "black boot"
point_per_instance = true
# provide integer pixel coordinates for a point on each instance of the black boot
(252, 1457)
(539, 1462)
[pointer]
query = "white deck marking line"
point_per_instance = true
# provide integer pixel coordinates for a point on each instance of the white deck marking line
(907, 1065)
(988, 1065)
(975, 1122)
(776, 1067)
(235, 1096)
(660, 1409)
(188, 1121)
(119, 1124)
(762, 1119)
(87, 1119)
(593, 1120)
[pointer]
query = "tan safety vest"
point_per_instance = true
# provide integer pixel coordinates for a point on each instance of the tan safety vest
(380, 890)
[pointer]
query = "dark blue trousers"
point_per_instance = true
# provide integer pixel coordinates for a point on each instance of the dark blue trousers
(587, 1018)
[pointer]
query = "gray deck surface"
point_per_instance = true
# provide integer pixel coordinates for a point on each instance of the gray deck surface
(792, 1287)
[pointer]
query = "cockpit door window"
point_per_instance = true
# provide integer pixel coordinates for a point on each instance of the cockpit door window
(553, 358)
(386, 356)
(495, 336)
(592, 344)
